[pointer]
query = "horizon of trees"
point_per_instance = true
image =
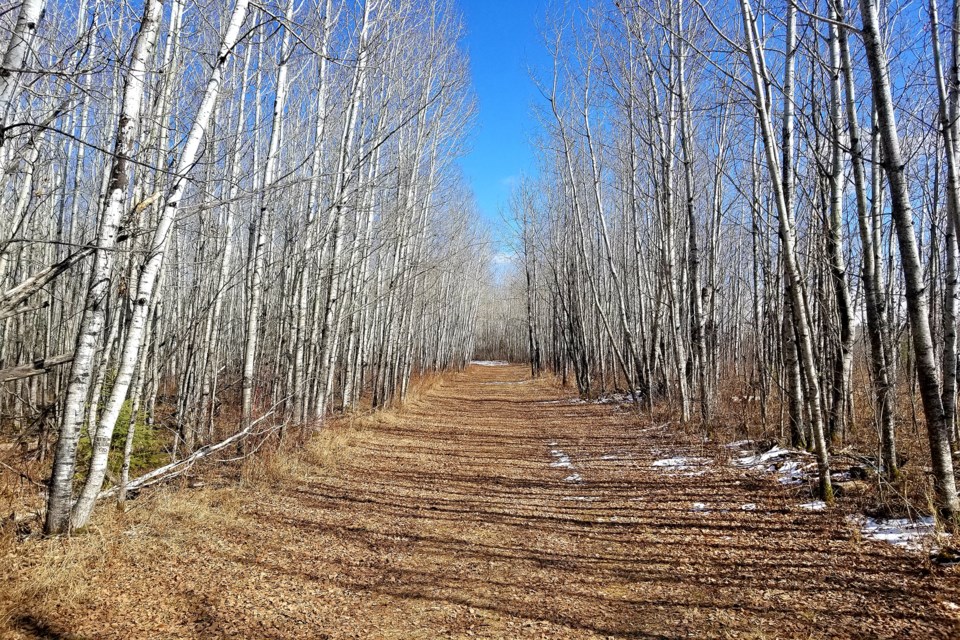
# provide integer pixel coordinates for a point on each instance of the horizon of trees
(751, 194)
(224, 220)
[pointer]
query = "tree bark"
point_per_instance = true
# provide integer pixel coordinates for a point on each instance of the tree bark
(894, 165)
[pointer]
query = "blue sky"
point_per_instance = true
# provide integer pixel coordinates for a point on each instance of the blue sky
(503, 41)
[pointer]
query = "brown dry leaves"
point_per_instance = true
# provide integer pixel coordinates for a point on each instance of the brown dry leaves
(448, 521)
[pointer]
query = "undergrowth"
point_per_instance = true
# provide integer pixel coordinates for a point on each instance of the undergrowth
(37, 573)
(151, 446)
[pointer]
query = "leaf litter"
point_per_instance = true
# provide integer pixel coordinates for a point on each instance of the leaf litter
(449, 521)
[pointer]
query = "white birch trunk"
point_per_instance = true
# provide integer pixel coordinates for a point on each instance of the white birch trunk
(60, 498)
(148, 275)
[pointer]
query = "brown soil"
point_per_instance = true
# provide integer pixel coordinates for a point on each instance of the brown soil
(448, 521)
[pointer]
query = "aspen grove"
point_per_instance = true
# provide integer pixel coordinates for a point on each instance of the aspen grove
(758, 198)
(222, 220)
(479, 318)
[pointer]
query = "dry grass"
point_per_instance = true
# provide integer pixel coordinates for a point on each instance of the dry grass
(736, 414)
(273, 466)
(38, 576)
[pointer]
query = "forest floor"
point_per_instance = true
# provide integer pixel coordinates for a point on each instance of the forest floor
(493, 507)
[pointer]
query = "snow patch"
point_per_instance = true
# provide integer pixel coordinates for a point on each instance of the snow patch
(581, 498)
(901, 532)
(699, 506)
(617, 456)
(791, 466)
(760, 458)
(748, 507)
(560, 459)
(612, 398)
(681, 463)
(794, 472)
(816, 505)
(616, 398)
(490, 363)
(671, 462)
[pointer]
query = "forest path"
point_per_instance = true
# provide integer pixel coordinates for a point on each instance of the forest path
(499, 507)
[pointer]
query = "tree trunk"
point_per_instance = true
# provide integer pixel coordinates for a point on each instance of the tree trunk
(915, 288)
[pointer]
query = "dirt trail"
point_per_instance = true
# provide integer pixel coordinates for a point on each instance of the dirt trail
(496, 507)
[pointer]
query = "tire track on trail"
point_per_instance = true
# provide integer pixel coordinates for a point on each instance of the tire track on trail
(460, 518)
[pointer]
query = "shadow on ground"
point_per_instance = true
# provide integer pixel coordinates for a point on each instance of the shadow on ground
(461, 519)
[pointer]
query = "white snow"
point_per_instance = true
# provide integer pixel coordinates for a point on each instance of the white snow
(794, 472)
(581, 498)
(618, 456)
(490, 363)
(613, 398)
(901, 532)
(616, 398)
(670, 462)
(816, 505)
(792, 466)
(562, 459)
(699, 506)
(681, 463)
(760, 458)
(739, 444)
(748, 507)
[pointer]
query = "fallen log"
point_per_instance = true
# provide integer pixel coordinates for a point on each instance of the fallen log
(12, 299)
(35, 368)
(174, 469)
